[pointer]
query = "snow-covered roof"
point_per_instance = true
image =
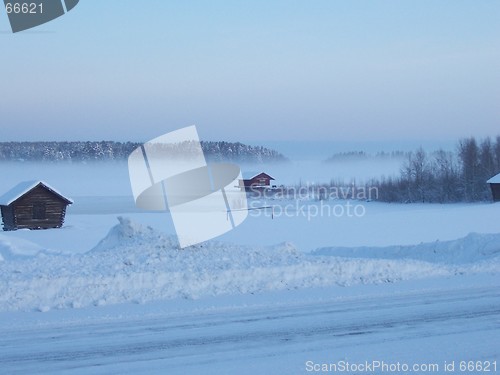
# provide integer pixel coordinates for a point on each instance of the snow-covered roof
(24, 187)
(253, 174)
(494, 179)
(262, 173)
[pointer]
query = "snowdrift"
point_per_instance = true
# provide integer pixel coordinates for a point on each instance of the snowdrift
(16, 248)
(472, 248)
(134, 263)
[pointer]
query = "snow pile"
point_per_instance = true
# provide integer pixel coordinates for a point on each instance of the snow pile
(472, 248)
(134, 263)
(14, 248)
(128, 233)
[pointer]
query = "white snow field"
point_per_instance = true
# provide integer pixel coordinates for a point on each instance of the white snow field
(415, 288)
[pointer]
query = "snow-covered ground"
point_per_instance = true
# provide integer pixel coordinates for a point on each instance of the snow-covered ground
(416, 284)
(430, 322)
(90, 219)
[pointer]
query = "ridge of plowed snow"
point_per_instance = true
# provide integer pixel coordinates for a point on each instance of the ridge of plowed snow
(474, 247)
(134, 263)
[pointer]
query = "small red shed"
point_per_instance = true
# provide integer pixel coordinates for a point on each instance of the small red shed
(261, 180)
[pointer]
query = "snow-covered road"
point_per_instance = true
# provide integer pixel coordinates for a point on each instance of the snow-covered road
(418, 322)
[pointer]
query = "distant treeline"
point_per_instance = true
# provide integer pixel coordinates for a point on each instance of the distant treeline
(361, 155)
(435, 177)
(109, 151)
(444, 176)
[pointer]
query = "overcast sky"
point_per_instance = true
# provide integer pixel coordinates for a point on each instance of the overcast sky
(255, 70)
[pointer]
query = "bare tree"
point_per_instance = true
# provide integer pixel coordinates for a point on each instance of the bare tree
(422, 174)
(497, 154)
(468, 152)
(446, 173)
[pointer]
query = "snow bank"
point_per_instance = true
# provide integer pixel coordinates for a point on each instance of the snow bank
(14, 248)
(472, 248)
(128, 233)
(134, 263)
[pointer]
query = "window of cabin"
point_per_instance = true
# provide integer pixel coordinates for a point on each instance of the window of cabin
(39, 211)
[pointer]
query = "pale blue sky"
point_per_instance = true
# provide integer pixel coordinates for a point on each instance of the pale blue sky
(255, 70)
